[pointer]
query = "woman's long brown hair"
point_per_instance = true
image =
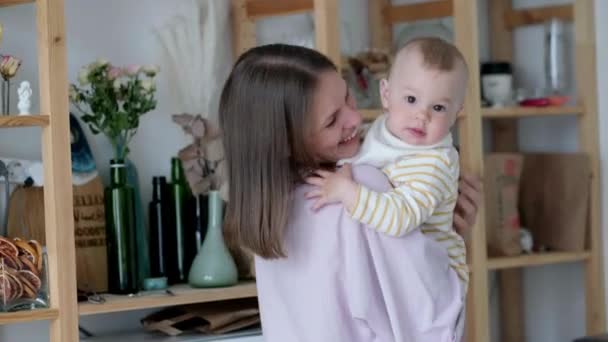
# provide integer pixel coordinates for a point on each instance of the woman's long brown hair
(264, 113)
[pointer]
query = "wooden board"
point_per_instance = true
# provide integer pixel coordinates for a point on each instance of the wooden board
(536, 259)
(59, 221)
(28, 316)
(327, 32)
(471, 161)
(184, 294)
(243, 28)
(24, 121)
(381, 31)
(539, 15)
(419, 11)
(586, 80)
(266, 8)
(504, 138)
(26, 220)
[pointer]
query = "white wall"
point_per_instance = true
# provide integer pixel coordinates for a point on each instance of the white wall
(121, 30)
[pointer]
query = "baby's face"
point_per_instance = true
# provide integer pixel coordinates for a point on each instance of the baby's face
(422, 102)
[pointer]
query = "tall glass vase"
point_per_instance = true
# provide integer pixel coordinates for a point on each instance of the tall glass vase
(120, 232)
(213, 265)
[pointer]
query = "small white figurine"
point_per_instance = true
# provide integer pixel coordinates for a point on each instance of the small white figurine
(24, 92)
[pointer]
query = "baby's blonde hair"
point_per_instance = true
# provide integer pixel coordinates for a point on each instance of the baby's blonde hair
(436, 53)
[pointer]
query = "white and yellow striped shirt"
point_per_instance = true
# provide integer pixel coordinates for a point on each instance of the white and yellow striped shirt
(425, 189)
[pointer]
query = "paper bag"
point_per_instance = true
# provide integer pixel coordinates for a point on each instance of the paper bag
(501, 183)
(554, 199)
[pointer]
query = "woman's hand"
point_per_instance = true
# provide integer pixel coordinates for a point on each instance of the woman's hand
(470, 194)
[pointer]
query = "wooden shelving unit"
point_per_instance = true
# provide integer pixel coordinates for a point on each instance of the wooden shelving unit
(182, 294)
(64, 311)
(504, 19)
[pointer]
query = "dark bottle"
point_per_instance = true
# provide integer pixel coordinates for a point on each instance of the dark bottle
(159, 211)
(180, 239)
(120, 231)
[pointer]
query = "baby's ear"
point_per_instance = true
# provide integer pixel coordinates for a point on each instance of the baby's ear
(384, 92)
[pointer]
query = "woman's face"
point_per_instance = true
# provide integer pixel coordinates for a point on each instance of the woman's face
(335, 121)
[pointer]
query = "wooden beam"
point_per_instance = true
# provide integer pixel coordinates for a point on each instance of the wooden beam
(538, 15)
(504, 137)
(471, 161)
(586, 81)
(266, 8)
(6, 3)
(243, 28)
(59, 211)
(419, 11)
(327, 29)
(381, 31)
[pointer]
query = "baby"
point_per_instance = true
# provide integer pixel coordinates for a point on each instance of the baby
(412, 144)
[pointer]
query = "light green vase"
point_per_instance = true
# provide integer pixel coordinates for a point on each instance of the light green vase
(213, 265)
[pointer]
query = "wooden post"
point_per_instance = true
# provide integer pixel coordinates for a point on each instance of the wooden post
(584, 38)
(58, 206)
(327, 29)
(243, 28)
(504, 136)
(381, 31)
(466, 38)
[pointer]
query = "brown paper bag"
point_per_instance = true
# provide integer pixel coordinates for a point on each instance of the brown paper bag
(26, 219)
(502, 175)
(554, 199)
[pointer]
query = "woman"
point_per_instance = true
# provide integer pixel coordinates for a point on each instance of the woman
(285, 111)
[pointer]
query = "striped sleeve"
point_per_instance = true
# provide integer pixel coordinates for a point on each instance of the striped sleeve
(422, 182)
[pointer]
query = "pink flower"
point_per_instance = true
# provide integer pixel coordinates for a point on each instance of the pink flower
(114, 73)
(133, 69)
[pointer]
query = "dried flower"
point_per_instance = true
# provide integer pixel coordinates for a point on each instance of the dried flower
(9, 66)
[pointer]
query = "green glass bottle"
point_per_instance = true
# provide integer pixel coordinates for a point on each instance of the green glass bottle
(120, 231)
(213, 265)
(180, 239)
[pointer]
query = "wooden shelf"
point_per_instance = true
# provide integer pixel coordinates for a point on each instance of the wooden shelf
(6, 3)
(24, 121)
(248, 335)
(267, 8)
(184, 294)
(528, 260)
(28, 316)
(516, 112)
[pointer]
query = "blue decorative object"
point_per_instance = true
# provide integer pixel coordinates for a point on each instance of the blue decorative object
(82, 157)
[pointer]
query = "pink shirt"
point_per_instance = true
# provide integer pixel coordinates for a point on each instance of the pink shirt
(344, 282)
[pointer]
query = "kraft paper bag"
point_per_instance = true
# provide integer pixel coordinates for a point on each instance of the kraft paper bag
(501, 183)
(554, 200)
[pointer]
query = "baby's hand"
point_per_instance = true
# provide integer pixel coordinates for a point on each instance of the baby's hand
(333, 187)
